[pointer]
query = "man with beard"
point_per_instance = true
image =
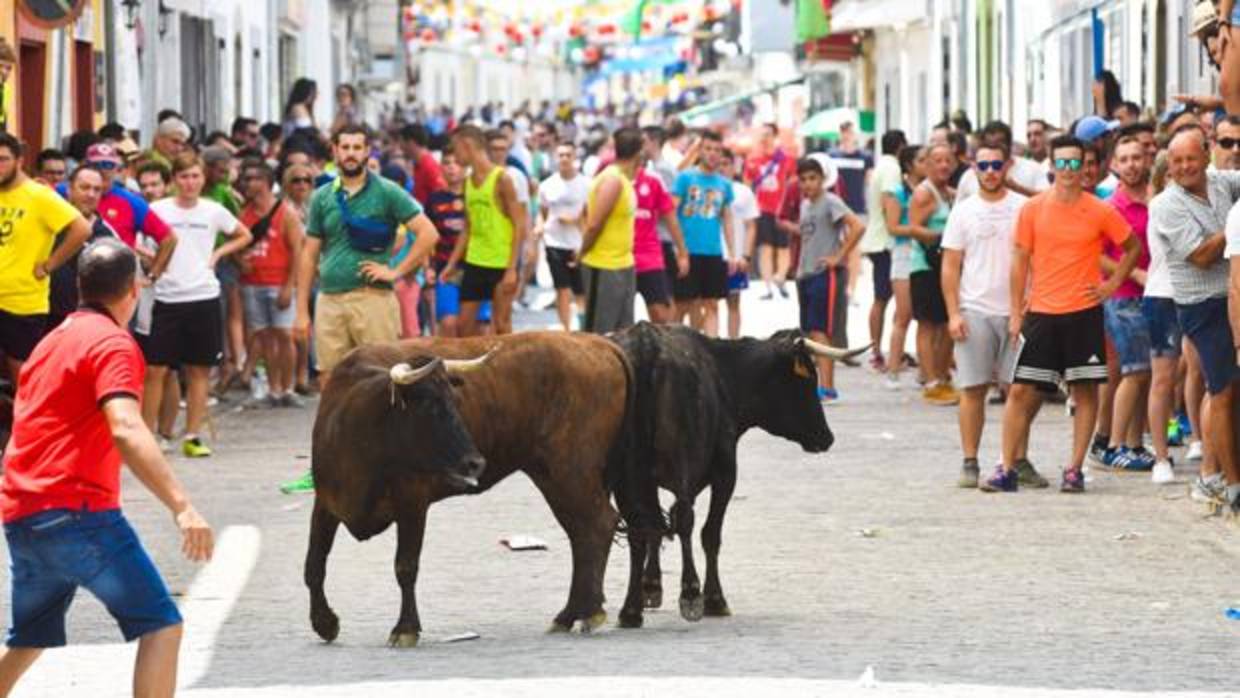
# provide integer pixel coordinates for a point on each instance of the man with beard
(85, 192)
(977, 259)
(351, 233)
(31, 216)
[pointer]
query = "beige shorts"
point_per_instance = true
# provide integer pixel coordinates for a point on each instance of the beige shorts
(346, 321)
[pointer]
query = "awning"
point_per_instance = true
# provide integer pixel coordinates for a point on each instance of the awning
(698, 112)
(855, 15)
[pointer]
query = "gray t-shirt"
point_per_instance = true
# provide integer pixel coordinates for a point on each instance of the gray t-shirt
(1181, 222)
(666, 172)
(822, 231)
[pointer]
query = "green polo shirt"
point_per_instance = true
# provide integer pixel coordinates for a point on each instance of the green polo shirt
(339, 263)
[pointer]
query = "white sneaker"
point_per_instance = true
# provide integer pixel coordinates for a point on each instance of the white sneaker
(892, 382)
(1163, 473)
(167, 445)
(1194, 451)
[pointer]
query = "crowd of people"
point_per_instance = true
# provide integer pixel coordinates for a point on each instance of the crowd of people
(1088, 264)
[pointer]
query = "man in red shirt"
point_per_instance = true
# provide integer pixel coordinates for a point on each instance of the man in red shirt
(769, 172)
(427, 176)
(77, 415)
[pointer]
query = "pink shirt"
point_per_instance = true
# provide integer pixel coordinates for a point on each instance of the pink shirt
(1137, 214)
(653, 202)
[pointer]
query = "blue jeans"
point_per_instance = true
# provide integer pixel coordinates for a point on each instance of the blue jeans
(54, 552)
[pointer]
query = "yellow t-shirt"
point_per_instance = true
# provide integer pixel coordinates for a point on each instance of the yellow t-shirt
(614, 247)
(30, 217)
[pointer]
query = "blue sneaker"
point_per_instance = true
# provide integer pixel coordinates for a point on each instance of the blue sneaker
(1139, 460)
(1001, 481)
(828, 396)
(1186, 427)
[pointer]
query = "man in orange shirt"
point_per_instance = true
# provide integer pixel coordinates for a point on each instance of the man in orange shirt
(1058, 332)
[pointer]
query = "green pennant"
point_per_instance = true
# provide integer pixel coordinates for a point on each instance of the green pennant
(812, 20)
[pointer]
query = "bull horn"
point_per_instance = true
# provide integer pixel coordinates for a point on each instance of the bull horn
(467, 365)
(404, 374)
(834, 353)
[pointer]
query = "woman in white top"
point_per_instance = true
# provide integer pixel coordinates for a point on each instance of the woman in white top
(299, 110)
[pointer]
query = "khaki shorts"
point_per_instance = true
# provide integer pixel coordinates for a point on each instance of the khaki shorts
(346, 321)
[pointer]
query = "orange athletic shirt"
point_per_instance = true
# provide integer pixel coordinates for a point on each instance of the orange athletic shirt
(1064, 242)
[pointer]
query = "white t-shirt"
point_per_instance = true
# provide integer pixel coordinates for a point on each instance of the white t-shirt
(568, 199)
(1025, 172)
(521, 182)
(744, 209)
(984, 233)
(1158, 275)
(189, 276)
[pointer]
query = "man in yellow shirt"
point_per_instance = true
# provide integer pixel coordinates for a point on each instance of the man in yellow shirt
(31, 216)
(607, 265)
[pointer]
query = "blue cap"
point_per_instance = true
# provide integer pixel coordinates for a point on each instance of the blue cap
(1091, 128)
(1174, 111)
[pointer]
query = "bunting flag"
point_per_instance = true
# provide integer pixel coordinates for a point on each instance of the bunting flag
(632, 20)
(812, 20)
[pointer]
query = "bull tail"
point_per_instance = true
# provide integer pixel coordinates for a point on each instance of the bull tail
(630, 462)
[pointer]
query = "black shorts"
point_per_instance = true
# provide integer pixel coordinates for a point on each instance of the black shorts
(19, 334)
(478, 283)
(928, 303)
(881, 261)
(186, 334)
(769, 232)
(655, 287)
(707, 278)
(562, 275)
(1069, 347)
(669, 263)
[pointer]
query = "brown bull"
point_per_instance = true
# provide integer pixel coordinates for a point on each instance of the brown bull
(555, 406)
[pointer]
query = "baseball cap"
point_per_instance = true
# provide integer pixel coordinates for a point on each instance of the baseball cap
(1172, 113)
(830, 172)
(103, 152)
(1091, 128)
(1204, 15)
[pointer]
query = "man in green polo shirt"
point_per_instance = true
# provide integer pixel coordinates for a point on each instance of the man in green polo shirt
(347, 245)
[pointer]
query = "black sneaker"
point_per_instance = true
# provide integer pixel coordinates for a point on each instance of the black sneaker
(1001, 481)
(1028, 476)
(1073, 481)
(969, 474)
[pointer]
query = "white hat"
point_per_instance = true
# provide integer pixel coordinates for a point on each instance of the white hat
(830, 173)
(1204, 15)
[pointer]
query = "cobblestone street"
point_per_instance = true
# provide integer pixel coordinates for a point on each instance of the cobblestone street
(867, 556)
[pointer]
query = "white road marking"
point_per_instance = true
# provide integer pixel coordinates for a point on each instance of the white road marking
(107, 670)
(684, 687)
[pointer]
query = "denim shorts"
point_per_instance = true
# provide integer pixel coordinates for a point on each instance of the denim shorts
(54, 552)
(262, 309)
(1129, 331)
(1206, 326)
(1165, 335)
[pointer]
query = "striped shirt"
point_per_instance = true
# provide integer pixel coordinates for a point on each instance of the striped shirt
(1182, 221)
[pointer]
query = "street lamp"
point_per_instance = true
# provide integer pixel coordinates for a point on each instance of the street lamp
(131, 12)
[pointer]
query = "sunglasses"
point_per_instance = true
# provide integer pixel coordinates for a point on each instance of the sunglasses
(989, 165)
(1073, 164)
(105, 165)
(301, 180)
(1229, 143)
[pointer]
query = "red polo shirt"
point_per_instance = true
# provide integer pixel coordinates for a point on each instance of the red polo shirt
(61, 454)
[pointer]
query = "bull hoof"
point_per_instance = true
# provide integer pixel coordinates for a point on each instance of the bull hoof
(630, 619)
(717, 608)
(652, 597)
(585, 626)
(558, 627)
(402, 640)
(692, 608)
(326, 624)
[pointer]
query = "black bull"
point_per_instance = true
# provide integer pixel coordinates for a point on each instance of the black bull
(557, 407)
(696, 397)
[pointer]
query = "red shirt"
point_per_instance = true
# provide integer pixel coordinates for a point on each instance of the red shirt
(427, 178)
(769, 176)
(268, 258)
(653, 202)
(61, 454)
